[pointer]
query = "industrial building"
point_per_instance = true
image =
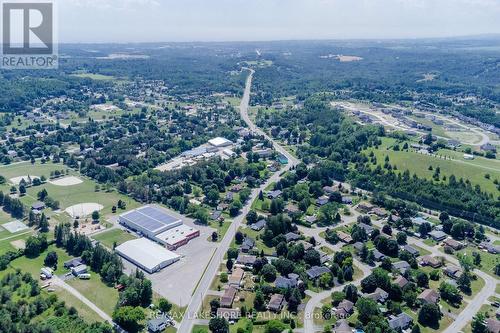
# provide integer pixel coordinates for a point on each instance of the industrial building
(157, 224)
(146, 254)
(177, 236)
(219, 142)
(149, 220)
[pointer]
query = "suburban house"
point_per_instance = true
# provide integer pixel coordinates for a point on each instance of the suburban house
(410, 249)
(247, 245)
(401, 266)
(430, 261)
(400, 322)
(274, 194)
(379, 295)
(344, 237)
(231, 315)
(290, 237)
(285, 282)
(73, 263)
(259, 225)
(379, 256)
(316, 271)
(158, 324)
(344, 309)
(429, 296)
(226, 301)
(246, 261)
(236, 277)
(365, 207)
(452, 271)
(401, 281)
(38, 206)
(321, 201)
(491, 248)
(276, 303)
(342, 326)
(455, 245)
(438, 235)
(368, 228)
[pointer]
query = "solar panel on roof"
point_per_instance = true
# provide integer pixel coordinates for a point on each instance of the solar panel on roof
(158, 214)
(143, 220)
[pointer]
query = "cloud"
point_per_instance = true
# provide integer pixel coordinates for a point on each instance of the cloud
(113, 4)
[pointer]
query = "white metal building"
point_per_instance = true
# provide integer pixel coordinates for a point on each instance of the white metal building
(146, 254)
(220, 142)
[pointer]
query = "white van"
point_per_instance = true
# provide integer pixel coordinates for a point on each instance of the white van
(84, 276)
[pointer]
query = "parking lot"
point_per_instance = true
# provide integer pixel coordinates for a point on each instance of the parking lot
(177, 281)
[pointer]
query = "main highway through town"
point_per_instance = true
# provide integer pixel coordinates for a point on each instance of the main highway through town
(192, 312)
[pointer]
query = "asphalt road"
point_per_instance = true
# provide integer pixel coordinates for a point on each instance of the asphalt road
(192, 312)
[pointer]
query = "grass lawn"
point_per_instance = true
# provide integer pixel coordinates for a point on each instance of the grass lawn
(200, 329)
(110, 237)
(33, 265)
(419, 163)
(488, 260)
(83, 310)
(5, 244)
(326, 249)
(443, 323)
(93, 76)
(97, 292)
(221, 229)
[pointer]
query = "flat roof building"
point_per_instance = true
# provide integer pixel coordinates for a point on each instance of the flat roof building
(146, 254)
(219, 142)
(149, 220)
(177, 236)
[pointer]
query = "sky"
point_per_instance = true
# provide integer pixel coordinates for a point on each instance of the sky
(101, 21)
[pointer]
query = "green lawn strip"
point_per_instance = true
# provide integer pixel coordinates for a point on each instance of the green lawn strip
(110, 237)
(6, 244)
(488, 260)
(83, 310)
(96, 291)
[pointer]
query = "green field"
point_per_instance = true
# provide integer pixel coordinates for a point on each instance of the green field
(34, 265)
(419, 163)
(93, 76)
(97, 292)
(110, 237)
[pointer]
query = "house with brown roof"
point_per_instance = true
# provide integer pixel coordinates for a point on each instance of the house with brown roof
(493, 325)
(430, 261)
(455, 245)
(344, 309)
(276, 303)
(429, 296)
(342, 326)
(452, 271)
(344, 237)
(401, 281)
(226, 301)
(236, 277)
(379, 295)
(231, 315)
(364, 207)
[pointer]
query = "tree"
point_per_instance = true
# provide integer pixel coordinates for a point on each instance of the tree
(450, 294)
(326, 280)
(214, 305)
(351, 293)
(232, 253)
(51, 259)
(464, 282)
(401, 238)
(268, 273)
(367, 308)
(238, 237)
(429, 315)
(164, 305)
(32, 247)
(218, 325)
(422, 280)
(259, 301)
(274, 326)
(44, 224)
(129, 318)
(386, 229)
(478, 324)
(95, 215)
(252, 217)
(229, 264)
